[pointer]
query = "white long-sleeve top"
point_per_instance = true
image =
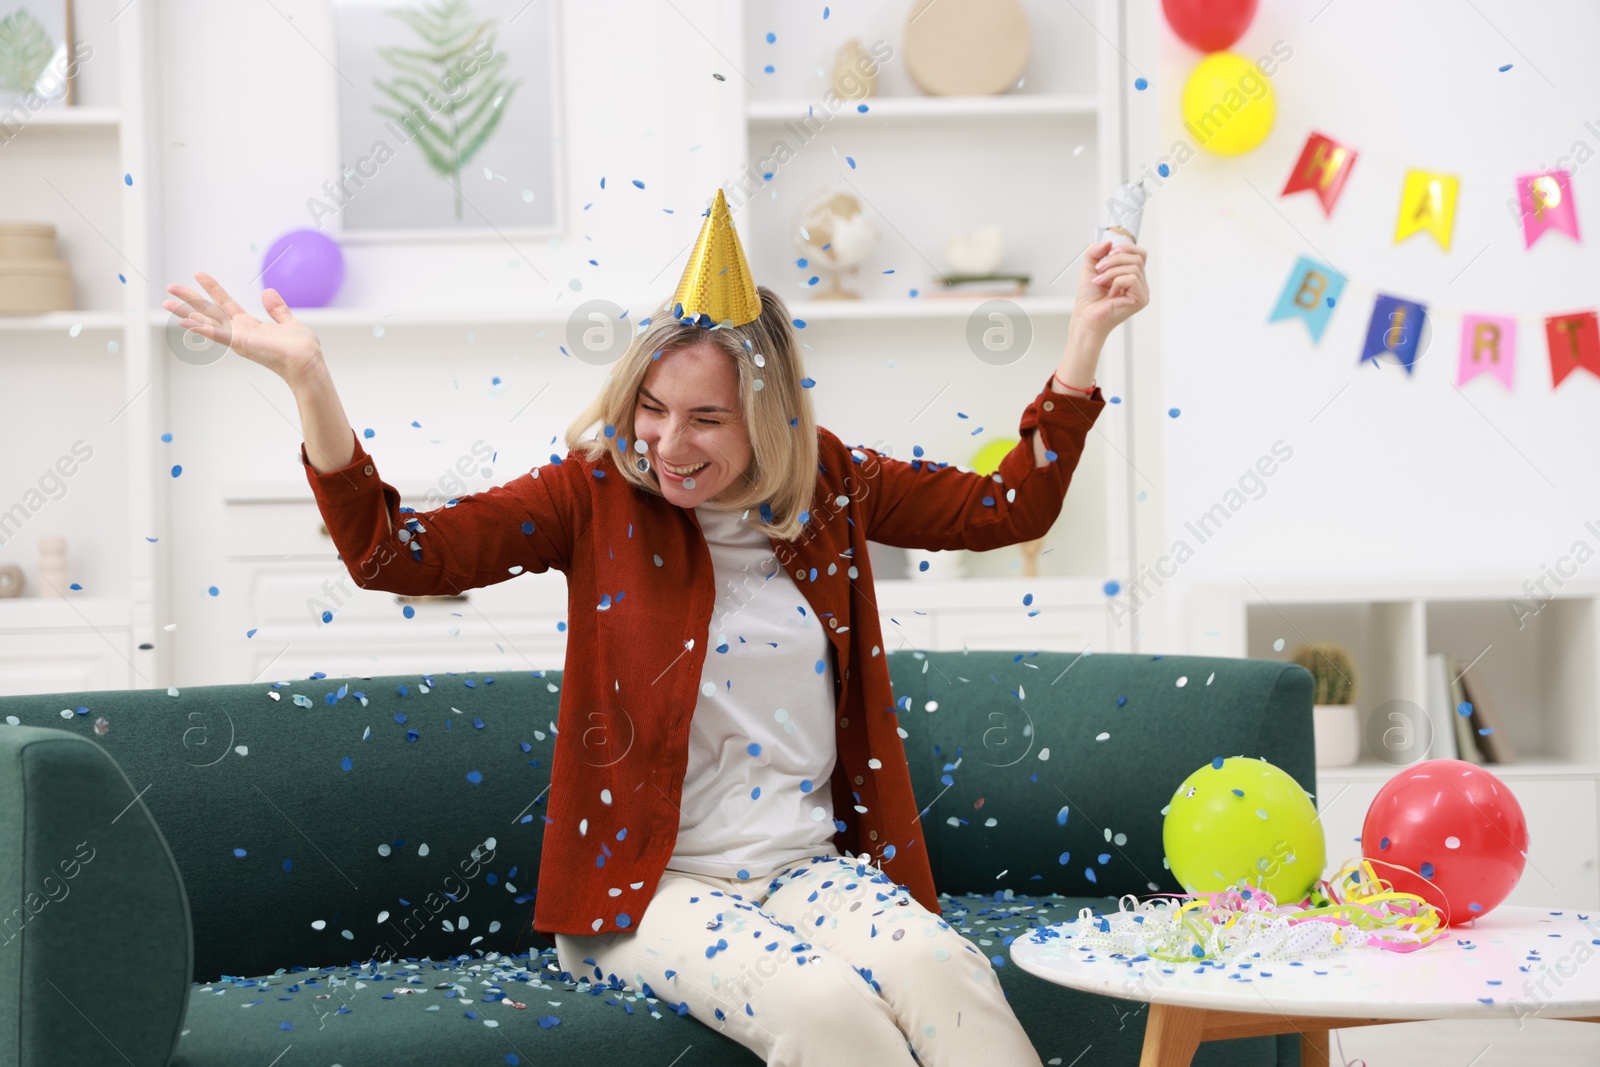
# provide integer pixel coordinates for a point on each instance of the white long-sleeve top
(761, 743)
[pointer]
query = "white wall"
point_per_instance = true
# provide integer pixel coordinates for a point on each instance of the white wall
(1395, 476)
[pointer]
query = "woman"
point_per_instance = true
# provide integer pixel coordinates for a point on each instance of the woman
(731, 826)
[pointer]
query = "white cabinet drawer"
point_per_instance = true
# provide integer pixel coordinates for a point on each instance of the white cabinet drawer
(1011, 629)
(65, 662)
(272, 529)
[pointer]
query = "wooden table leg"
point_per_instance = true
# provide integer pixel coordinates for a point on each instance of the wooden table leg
(1313, 1047)
(1171, 1036)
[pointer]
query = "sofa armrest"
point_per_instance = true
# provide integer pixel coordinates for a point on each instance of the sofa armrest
(96, 948)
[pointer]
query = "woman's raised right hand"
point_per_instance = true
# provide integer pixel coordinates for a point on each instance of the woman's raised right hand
(286, 346)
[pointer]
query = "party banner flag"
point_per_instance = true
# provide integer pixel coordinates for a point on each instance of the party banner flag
(1488, 343)
(1323, 166)
(1574, 342)
(1310, 294)
(1396, 328)
(1546, 201)
(1428, 203)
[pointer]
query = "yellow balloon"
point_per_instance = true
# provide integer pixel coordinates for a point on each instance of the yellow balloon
(987, 461)
(1228, 104)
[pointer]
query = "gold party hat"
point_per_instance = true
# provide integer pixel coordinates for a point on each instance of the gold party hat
(716, 281)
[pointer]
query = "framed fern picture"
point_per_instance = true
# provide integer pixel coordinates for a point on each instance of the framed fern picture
(449, 122)
(35, 66)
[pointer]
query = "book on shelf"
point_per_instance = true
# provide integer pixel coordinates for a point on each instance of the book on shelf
(1485, 721)
(978, 285)
(1441, 713)
(1473, 736)
(1467, 747)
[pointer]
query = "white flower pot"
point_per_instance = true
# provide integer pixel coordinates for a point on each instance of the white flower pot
(1337, 729)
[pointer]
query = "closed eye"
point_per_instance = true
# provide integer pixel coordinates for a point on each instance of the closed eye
(657, 411)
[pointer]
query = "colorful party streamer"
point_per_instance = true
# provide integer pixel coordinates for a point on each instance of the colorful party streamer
(1488, 344)
(1310, 294)
(1396, 328)
(1547, 204)
(1428, 203)
(1574, 342)
(1323, 166)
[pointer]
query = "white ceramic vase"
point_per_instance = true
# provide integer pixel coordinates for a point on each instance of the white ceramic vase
(1337, 728)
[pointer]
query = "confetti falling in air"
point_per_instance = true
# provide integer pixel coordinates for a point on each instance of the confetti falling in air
(1505, 68)
(1141, 84)
(177, 469)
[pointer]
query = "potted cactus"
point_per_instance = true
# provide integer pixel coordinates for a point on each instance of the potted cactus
(1336, 720)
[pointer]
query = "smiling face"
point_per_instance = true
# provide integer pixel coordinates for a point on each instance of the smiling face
(688, 413)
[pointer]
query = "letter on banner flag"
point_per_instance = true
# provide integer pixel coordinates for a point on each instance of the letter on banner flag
(1428, 203)
(1488, 344)
(1310, 294)
(1323, 166)
(1546, 201)
(1574, 342)
(1396, 328)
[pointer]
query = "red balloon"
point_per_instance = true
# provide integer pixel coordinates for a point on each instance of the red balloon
(1209, 25)
(1450, 832)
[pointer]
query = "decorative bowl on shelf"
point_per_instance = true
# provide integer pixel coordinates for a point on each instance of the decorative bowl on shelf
(966, 47)
(834, 234)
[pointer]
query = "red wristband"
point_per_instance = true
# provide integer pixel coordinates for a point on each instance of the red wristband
(1086, 392)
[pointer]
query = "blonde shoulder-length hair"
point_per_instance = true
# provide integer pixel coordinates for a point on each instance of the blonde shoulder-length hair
(777, 412)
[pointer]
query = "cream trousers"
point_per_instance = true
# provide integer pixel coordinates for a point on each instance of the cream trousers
(823, 961)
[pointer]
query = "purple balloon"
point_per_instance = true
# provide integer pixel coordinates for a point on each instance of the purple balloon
(306, 267)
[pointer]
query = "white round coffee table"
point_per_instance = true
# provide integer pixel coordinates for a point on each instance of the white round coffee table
(1515, 962)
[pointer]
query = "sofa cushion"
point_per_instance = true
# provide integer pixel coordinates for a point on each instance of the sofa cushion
(454, 1011)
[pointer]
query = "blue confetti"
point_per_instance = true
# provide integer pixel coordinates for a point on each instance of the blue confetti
(1505, 68)
(409, 612)
(1173, 412)
(754, 748)
(474, 777)
(1112, 587)
(166, 438)
(771, 38)
(1141, 84)
(1216, 764)
(1163, 170)
(177, 469)
(346, 763)
(851, 160)
(638, 184)
(240, 853)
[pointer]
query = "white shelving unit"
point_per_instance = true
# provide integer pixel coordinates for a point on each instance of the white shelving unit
(1056, 139)
(88, 169)
(1540, 671)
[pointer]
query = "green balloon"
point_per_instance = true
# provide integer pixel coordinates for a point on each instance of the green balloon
(1243, 821)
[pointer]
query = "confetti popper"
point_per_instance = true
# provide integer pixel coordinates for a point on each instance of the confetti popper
(1125, 211)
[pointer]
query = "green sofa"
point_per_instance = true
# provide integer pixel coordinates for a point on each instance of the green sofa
(201, 877)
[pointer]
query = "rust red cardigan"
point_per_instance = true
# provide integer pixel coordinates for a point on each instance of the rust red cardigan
(640, 597)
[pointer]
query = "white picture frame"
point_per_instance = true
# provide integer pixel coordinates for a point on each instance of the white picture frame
(393, 187)
(40, 33)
